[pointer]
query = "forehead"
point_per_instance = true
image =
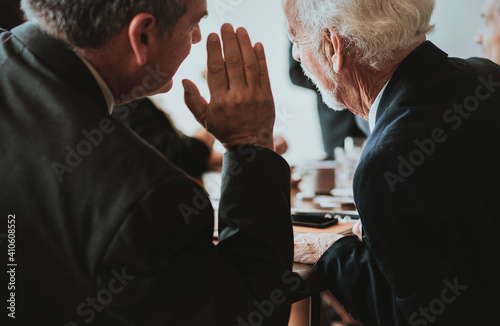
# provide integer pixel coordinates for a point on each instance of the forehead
(490, 6)
(197, 9)
(291, 17)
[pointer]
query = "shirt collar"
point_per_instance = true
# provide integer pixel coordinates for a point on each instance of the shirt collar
(108, 96)
(372, 116)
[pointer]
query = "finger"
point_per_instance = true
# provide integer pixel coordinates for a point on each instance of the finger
(194, 101)
(232, 55)
(216, 69)
(263, 71)
(280, 145)
(250, 63)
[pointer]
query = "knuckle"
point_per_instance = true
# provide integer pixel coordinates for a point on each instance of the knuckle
(221, 102)
(251, 66)
(215, 69)
(240, 99)
(233, 63)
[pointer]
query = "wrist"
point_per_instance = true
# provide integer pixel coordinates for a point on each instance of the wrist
(269, 144)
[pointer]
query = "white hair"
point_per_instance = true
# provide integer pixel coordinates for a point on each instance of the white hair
(378, 29)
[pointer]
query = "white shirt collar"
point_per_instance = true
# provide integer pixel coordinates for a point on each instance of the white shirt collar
(372, 116)
(108, 96)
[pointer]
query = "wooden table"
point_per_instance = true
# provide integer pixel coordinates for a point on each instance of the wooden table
(315, 301)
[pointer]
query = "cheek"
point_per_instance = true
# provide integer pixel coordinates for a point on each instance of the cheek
(491, 35)
(182, 50)
(186, 48)
(309, 62)
(312, 65)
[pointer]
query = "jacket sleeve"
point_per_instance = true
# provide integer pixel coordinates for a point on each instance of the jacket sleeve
(175, 275)
(414, 266)
(351, 273)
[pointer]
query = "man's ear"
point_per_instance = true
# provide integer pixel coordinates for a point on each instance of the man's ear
(332, 47)
(141, 32)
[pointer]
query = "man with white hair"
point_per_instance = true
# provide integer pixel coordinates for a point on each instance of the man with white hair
(102, 229)
(488, 35)
(429, 251)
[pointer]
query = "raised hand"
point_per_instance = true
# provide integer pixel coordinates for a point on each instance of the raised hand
(242, 109)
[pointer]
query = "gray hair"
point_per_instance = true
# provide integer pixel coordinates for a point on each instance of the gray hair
(378, 29)
(92, 23)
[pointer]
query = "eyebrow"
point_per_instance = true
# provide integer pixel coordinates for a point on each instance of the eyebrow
(204, 15)
(200, 18)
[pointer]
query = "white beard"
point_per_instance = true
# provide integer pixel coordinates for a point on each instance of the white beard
(328, 96)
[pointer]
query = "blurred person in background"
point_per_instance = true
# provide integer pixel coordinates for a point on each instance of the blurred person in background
(488, 35)
(195, 155)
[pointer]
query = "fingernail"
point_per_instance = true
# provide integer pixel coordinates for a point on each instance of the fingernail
(228, 27)
(213, 37)
(242, 32)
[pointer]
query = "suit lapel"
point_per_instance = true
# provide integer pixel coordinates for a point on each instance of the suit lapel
(61, 59)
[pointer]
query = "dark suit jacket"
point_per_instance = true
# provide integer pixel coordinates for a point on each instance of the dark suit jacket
(157, 129)
(107, 231)
(427, 193)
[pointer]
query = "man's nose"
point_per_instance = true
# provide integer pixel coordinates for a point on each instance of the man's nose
(197, 35)
(479, 37)
(296, 52)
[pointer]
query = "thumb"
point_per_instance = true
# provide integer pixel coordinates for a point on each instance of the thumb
(194, 101)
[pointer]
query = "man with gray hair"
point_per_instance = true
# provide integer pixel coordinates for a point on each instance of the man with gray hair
(102, 229)
(429, 252)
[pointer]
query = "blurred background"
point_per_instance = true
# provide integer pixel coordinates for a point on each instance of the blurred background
(297, 116)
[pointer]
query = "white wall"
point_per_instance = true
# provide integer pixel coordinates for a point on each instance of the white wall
(456, 23)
